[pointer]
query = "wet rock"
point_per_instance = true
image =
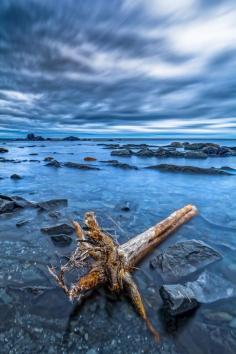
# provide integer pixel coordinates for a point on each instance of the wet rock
(199, 146)
(208, 288)
(80, 166)
(58, 229)
(125, 207)
(8, 206)
(184, 258)
(111, 146)
(3, 150)
(61, 240)
(53, 163)
(52, 204)
(210, 150)
(15, 176)
(190, 169)
(124, 166)
(48, 158)
(89, 158)
(109, 161)
(178, 299)
(121, 152)
(195, 155)
(146, 152)
(54, 214)
(22, 202)
(33, 154)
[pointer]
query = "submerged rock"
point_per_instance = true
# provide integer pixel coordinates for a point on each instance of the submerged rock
(48, 158)
(121, 152)
(58, 229)
(3, 150)
(145, 152)
(124, 166)
(12, 204)
(53, 163)
(184, 258)
(190, 169)
(61, 240)
(80, 166)
(207, 288)
(15, 176)
(52, 204)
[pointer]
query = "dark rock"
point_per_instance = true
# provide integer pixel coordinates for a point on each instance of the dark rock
(53, 163)
(12, 204)
(58, 229)
(8, 206)
(61, 240)
(210, 150)
(207, 288)
(71, 138)
(111, 146)
(48, 158)
(146, 152)
(109, 161)
(89, 158)
(33, 160)
(52, 204)
(33, 154)
(178, 299)
(54, 214)
(125, 207)
(195, 155)
(3, 150)
(184, 258)
(199, 146)
(15, 176)
(189, 169)
(124, 166)
(80, 166)
(122, 152)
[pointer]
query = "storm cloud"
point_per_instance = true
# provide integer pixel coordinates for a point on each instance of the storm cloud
(118, 66)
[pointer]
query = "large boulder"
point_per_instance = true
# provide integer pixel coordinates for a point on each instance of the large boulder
(195, 155)
(207, 288)
(184, 258)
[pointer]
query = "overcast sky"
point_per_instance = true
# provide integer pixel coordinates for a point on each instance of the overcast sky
(118, 66)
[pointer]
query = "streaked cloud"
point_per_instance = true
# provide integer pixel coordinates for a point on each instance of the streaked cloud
(119, 66)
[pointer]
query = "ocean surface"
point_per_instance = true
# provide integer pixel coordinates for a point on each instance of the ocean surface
(36, 316)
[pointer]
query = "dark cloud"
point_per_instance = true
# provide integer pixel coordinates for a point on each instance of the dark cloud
(119, 65)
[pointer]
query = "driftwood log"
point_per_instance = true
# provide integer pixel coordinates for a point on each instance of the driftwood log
(112, 263)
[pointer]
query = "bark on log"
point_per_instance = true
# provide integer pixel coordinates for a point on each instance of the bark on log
(138, 247)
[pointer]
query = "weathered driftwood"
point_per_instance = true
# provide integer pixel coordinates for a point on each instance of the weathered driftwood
(113, 263)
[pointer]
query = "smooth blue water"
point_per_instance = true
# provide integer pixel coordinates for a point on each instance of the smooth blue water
(153, 196)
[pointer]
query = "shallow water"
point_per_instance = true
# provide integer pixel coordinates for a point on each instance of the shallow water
(43, 320)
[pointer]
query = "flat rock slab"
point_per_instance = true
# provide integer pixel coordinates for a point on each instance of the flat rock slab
(58, 229)
(192, 169)
(52, 204)
(206, 289)
(184, 258)
(61, 240)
